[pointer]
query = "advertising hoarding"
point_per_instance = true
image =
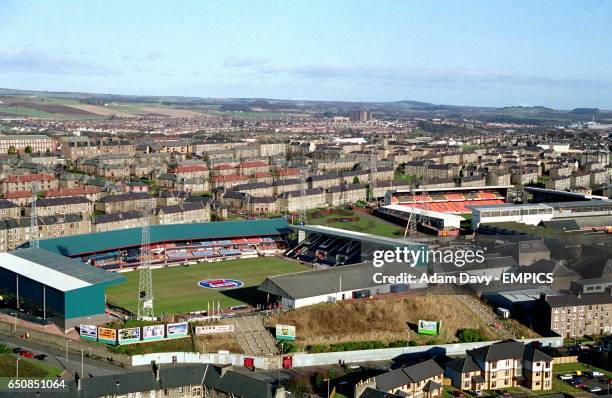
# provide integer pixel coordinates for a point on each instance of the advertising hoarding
(153, 332)
(88, 332)
(129, 335)
(427, 327)
(285, 332)
(174, 330)
(215, 329)
(107, 335)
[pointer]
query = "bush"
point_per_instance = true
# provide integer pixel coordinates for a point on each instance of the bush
(355, 346)
(470, 336)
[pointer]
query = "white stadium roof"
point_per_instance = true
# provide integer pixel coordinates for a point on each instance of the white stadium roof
(40, 273)
(55, 271)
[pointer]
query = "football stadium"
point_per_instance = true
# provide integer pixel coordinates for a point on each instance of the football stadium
(439, 211)
(194, 265)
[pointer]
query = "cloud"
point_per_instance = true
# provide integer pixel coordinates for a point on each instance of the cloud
(153, 56)
(408, 74)
(244, 62)
(35, 61)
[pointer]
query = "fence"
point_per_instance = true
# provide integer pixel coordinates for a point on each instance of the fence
(566, 359)
(327, 358)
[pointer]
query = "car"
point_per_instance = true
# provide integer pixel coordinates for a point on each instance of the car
(594, 389)
(475, 392)
(26, 354)
(17, 350)
(596, 373)
(40, 357)
(580, 385)
(566, 377)
(604, 380)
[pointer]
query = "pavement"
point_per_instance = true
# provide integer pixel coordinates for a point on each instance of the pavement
(56, 357)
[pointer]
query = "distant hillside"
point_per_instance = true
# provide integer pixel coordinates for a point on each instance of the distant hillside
(84, 105)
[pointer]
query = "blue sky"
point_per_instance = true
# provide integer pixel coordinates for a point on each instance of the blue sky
(487, 53)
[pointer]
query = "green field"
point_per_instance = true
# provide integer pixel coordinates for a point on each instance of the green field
(367, 224)
(176, 290)
(28, 368)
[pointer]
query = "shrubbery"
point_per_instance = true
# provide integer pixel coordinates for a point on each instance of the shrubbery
(354, 346)
(470, 336)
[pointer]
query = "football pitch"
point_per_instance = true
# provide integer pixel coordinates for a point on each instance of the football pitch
(176, 288)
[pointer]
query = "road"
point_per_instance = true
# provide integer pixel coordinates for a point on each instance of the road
(57, 358)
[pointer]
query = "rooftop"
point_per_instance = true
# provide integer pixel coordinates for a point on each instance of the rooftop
(55, 271)
(105, 241)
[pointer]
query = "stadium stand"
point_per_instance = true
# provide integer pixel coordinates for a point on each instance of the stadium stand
(176, 244)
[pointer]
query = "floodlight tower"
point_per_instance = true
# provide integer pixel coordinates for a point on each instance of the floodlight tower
(411, 225)
(34, 216)
(145, 283)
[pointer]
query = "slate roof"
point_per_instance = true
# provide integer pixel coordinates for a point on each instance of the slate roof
(410, 374)
(508, 349)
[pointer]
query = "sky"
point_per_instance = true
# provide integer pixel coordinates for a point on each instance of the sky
(481, 53)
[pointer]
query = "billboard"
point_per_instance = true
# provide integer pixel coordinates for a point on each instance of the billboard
(285, 332)
(88, 332)
(153, 332)
(107, 335)
(216, 329)
(427, 327)
(129, 335)
(174, 330)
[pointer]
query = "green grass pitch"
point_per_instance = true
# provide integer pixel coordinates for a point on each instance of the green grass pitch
(176, 290)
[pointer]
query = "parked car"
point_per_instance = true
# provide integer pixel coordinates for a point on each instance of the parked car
(596, 373)
(594, 389)
(17, 350)
(566, 377)
(26, 354)
(580, 385)
(40, 357)
(604, 380)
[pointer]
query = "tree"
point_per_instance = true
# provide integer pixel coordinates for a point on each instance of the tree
(28, 149)
(12, 150)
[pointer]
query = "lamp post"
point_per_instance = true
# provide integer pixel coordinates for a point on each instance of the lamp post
(14, 314)
(328, 381)
(17, 368)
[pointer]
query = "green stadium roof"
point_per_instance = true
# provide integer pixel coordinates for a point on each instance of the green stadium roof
(104, 241)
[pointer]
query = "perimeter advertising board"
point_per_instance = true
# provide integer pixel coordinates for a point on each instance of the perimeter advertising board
(174, 330)
(153, 332)
(88, 332)
(285, 332)
(215, 329)
(427, 327)
(107, 335)
(129, 335)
